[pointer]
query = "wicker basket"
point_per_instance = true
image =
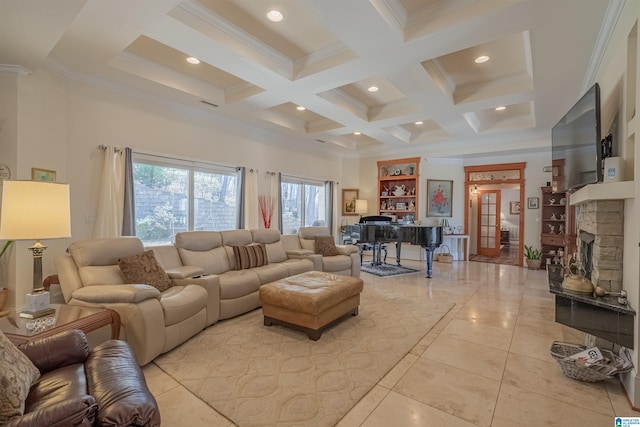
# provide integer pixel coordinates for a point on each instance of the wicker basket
(576, 369)
(445, 257)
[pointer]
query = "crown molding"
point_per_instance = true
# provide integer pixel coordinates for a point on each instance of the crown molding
(13, 70)
(612, 14)
(394, 13)
(282, 63)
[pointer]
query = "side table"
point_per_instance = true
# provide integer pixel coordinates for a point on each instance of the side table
(66, 317)
(459, 239)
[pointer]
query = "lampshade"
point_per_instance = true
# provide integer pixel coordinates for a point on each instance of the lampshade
(362, 206)
(34, 210)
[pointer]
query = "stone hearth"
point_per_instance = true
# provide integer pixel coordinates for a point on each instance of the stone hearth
(605, 220)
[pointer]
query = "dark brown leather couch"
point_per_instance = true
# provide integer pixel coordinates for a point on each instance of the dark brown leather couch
(78, 387)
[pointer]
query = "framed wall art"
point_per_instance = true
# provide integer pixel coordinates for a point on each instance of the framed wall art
(533, 202)
(439, 197)
(514, 208)
(43, 175)
(349, 197)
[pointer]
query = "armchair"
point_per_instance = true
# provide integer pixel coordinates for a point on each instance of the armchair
(103, 387)
(346, 261)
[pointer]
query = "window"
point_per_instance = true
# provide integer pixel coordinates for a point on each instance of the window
(173, 196)
(304, 204)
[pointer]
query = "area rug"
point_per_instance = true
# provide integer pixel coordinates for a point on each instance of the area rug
(494, 260)
(266, 376)
(383, 270)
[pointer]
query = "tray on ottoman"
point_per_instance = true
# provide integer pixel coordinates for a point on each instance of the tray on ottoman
(310, 302)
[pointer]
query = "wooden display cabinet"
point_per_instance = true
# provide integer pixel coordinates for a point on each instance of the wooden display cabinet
(558, 225)
(398, 188)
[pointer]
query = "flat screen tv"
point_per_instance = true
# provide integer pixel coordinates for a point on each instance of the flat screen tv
(576, 144)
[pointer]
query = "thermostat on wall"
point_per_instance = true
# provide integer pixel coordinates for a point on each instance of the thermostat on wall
(5, 172)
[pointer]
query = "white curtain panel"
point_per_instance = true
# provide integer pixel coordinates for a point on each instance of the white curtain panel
(111, 195)
(251, 208)
(274, 193)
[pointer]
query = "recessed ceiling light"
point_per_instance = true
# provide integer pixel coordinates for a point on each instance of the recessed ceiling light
(193, 60)
(501, 108)
(373, 89)
(357, 133)
(482, 59)
(275, 16)
(300, 108)
(419, 122)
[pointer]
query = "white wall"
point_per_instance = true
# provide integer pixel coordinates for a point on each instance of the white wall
(620, 101)
(54, 123)
(100, 117)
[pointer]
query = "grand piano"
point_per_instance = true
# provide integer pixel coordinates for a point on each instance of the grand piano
(377, 233)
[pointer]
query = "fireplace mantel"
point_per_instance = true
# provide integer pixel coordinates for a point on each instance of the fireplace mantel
(604, 191)
(602, 317)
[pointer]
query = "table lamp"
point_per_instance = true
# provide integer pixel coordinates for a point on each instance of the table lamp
(362, 206)
(34, 210)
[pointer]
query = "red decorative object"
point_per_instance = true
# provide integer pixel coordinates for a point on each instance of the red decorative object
(267, 206)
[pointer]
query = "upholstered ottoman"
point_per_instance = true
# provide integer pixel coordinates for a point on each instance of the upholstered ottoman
(310, 302)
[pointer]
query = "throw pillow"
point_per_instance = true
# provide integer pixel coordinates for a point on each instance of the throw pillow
(144, 268)
(17, 374)
(250, 256)
(325, 246)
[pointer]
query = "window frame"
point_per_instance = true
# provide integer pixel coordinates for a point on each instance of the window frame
(192, 167)
(288, 179)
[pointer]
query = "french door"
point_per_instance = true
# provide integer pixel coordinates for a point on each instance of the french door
(489, 223)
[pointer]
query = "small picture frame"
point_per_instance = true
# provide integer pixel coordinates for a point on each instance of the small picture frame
(514, 208)
(43, 175)
(349, 197)
(533, 202)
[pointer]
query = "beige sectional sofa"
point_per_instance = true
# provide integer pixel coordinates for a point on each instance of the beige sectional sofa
(208, 283)
(212, 250)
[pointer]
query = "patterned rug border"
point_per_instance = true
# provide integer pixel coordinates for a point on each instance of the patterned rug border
(496, 260)
(386, 270)
(186, 363)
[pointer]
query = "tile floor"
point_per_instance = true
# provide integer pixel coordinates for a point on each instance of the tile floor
(486, 363)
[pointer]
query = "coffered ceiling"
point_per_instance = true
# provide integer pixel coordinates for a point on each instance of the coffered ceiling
(325, 55)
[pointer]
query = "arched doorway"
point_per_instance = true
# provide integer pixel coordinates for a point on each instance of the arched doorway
(483, 223)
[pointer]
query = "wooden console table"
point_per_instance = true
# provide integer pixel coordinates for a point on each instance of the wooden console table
(66, 317)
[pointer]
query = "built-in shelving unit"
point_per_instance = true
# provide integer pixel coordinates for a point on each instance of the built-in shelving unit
(553, 228)
(398, 188)
(558, 225)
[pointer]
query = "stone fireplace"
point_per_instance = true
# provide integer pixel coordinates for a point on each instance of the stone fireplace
(600, 227)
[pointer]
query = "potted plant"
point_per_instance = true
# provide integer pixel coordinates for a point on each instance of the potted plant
(533, 256)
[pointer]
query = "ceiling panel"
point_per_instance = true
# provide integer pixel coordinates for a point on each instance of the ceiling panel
(324, 55)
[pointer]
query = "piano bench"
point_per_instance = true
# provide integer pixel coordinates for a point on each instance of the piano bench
(310, 302)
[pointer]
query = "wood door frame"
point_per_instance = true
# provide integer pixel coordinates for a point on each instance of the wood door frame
(468, 170)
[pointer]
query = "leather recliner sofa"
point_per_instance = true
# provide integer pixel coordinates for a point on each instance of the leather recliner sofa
(103, 387)
(153, 322)
(213, 252)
